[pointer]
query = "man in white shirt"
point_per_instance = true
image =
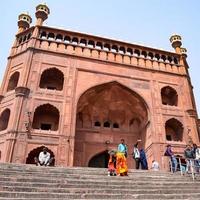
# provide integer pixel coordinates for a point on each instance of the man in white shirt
(44, 158)
(155, 165)
(136, 155)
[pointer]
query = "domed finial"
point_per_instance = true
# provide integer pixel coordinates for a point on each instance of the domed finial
(176, 42)
(24, 21)
(42, 12)
(184, 52)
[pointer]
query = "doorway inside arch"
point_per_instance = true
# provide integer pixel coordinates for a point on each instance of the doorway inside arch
(100, 160)
(105, 114)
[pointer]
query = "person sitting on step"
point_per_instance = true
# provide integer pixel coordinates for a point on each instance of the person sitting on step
(44, 158)
(155, 166)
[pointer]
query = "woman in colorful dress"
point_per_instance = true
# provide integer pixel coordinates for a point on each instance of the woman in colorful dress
(121, 164)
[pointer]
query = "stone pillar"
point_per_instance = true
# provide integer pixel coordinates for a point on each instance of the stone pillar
(21, 94)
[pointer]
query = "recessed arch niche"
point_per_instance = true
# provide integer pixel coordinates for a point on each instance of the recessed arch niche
(111, 103)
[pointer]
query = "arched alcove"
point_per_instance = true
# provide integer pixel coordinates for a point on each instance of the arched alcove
(46, 117)
(13, 81)
(174, 130)
(52, 79)
(4, 119)
(35, 153)
(169, 96)
(100, 160)
(114, 106)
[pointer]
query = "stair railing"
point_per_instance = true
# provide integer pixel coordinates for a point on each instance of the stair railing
(190, 167)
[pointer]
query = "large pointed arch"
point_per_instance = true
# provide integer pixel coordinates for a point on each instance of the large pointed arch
(137, 93)
(111, 103)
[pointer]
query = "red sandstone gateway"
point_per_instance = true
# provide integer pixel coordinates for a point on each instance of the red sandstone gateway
(79, 94)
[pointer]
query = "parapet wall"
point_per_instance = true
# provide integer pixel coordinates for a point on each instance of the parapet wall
(93, 47)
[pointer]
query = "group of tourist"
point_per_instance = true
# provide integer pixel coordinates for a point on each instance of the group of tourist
(117, 164)
(191, 155)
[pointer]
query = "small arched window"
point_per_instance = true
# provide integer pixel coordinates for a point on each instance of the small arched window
(4, 119)
(46, 117)
(174, 130)
(106, 124)
(169, 96)
(13, 81)
(97, 124)
(115, 125)
(52, 79)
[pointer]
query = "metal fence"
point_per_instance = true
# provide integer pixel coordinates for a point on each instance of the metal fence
(189, 166)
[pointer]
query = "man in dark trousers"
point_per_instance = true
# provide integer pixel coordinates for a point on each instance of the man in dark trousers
(170, 153)
(136, 155)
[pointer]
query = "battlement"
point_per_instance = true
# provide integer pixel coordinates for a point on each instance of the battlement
(95, 47)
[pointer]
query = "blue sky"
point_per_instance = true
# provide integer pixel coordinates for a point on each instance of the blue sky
(147, 22)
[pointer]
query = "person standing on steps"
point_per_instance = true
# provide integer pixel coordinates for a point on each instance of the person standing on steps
(143, 159)
(136, 155)
(121, 161)
(170, 153)
(189, 158)
(122, 148)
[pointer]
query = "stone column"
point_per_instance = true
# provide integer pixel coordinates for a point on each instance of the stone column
(21, 94)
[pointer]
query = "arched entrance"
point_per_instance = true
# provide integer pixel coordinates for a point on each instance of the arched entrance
(99, 160)
(35, 153)
(105, 114)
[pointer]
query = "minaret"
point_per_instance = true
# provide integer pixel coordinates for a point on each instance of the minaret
(24, 21)
(42, 12)
(183, 52)
(176, 42)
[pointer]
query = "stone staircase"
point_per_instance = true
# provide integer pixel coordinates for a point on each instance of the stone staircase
(18, 181)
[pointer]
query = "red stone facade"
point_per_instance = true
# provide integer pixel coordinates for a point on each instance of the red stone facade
(79, 94)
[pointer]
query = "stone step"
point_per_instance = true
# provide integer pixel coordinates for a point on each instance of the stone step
(88, 176)
(32, 168)
(98, 171)
(5, 198)
(97, 196)
(102, 185)
(88, 190)
(105, 180)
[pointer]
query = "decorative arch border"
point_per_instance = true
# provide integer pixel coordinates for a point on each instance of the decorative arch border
(49, 68)
(137, 93)
(37, 106)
